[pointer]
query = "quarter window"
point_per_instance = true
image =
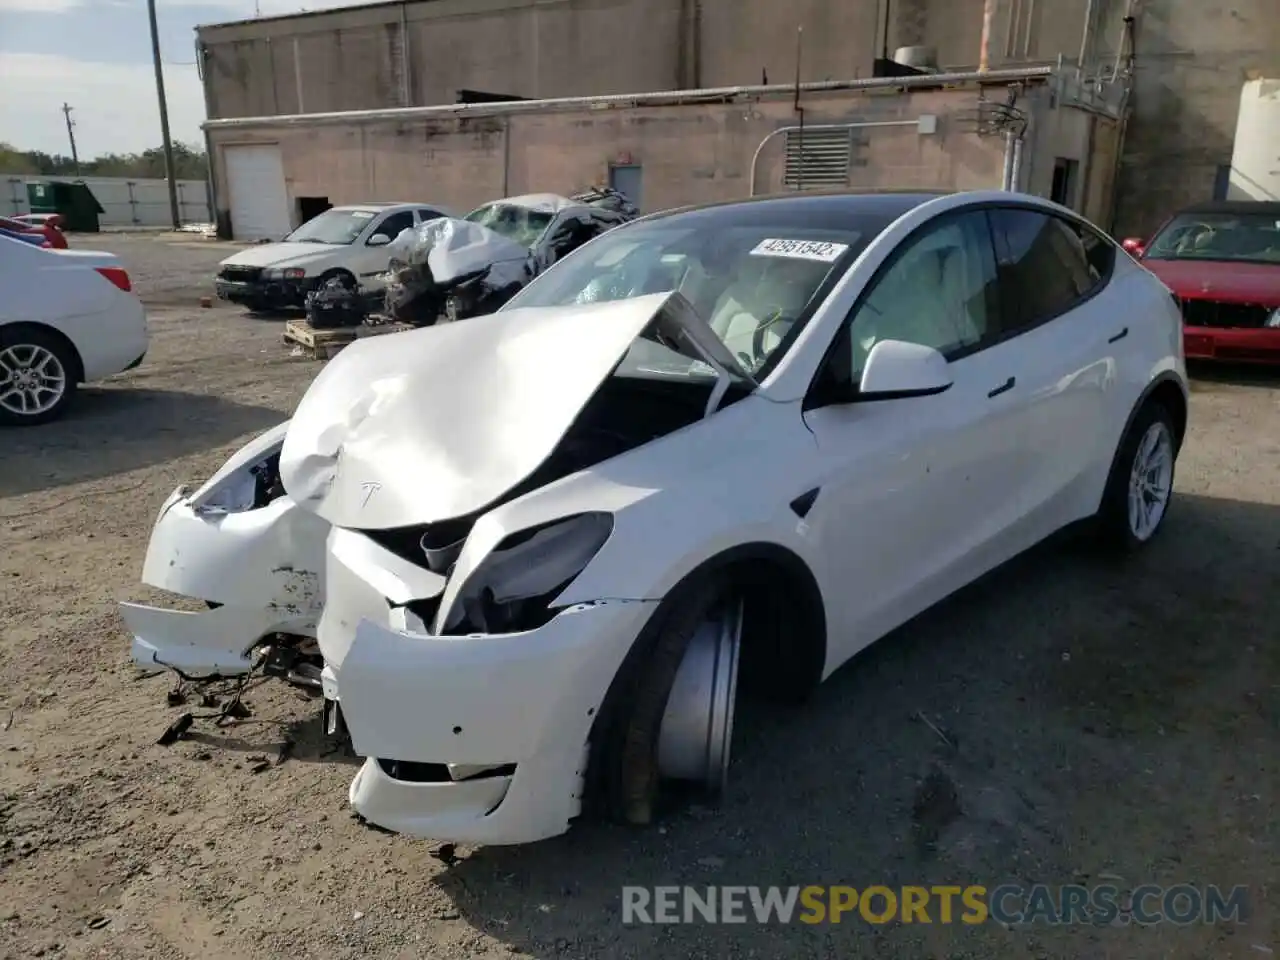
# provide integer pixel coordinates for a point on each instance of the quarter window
(1046, 264)
(939, 290)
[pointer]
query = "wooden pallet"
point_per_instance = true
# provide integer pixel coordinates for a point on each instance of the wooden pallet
(323, 344)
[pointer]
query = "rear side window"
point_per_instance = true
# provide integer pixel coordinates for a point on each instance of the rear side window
(1047, 264)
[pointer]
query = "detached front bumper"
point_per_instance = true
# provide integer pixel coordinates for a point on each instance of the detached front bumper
(262, 567)
(264, 294)
(1236, 344)
(481, 739)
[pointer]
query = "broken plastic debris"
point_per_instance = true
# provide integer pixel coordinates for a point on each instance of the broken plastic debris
(175, 730)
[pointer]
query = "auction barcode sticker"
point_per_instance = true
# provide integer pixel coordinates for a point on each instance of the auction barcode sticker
(819, 250)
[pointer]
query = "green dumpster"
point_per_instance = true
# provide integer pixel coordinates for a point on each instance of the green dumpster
(73, 200)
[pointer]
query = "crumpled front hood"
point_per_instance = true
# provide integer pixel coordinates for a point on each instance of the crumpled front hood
(432, 424)
(281, 254)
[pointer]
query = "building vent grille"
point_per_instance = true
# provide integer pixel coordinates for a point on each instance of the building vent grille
(818, 158)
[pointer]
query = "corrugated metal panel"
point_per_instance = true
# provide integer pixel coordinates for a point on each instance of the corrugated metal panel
(818, 158)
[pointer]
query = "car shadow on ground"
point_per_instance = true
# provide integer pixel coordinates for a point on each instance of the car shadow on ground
(1032, 727)
(110, 430)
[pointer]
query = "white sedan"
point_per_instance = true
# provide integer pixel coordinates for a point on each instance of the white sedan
(66, 317)
(534, 548)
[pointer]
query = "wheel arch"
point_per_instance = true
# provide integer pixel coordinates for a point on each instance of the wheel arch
(765, 572)
(56, 334)
(1167, 389)
(789, 653)
(332, 272)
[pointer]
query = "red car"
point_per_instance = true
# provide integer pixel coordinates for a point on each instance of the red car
(46, 224)
(1222, 262)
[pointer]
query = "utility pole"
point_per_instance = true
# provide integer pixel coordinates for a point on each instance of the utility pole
(164, 118)
(75, 157)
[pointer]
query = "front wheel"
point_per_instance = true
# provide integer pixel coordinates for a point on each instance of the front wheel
(37, 379)
(670, 712)
(1140, 488)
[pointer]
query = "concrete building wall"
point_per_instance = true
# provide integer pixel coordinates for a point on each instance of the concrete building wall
(1192, 61)
(689, 153)
(420, 52)
(1191, 57)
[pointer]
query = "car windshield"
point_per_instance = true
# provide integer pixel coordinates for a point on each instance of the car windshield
(753, 282)
(333, 226)
(517, 223)
(1248, 237)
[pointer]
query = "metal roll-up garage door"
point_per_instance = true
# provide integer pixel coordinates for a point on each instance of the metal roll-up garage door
(257, 199)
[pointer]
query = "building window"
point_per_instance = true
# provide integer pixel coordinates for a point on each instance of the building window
(817, 159)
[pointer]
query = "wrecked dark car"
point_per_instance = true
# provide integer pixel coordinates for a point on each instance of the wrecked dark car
(450, 269)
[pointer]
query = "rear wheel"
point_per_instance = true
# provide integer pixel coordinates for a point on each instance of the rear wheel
(37, 376)
(1140, 488)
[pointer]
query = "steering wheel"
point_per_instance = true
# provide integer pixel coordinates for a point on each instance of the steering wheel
(757, 336)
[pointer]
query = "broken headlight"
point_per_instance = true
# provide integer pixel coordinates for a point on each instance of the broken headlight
(249, 480)
(513, 587)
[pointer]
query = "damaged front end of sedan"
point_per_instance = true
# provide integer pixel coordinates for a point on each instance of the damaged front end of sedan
(445, 488)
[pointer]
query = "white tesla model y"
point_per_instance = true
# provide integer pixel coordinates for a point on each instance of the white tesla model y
(535, 550)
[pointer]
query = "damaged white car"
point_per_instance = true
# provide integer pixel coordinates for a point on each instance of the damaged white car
(539, 548)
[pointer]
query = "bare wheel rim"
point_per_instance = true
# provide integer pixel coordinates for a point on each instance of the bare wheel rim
(1150, 481)
(32, 379)
(697, 727)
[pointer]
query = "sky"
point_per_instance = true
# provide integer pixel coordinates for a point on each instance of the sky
(96, 56)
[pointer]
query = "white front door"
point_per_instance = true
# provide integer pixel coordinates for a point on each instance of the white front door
(917, 494)
(370, 262)
(257, 198)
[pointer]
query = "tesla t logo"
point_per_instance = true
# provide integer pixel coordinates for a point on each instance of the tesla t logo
(1206, 287)
(370, 487)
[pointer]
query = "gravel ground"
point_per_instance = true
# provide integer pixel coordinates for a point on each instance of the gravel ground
(1062, 721)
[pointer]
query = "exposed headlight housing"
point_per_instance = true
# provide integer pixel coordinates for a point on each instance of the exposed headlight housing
(514, 585)
(250, 479)
(1273, 321)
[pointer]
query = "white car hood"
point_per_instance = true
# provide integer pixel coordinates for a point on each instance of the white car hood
(433, 424)
(281, 254)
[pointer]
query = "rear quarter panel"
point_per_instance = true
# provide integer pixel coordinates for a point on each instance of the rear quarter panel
(106, 325)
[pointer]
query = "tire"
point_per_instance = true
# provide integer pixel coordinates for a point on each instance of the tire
(623, 773)
(25, 351)
(345, 276)
(1122, 527)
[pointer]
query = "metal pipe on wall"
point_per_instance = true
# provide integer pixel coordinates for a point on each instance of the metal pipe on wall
(1015, 176)
(1086, 35)
(406, 84)
(984, 49)
(1006, 181)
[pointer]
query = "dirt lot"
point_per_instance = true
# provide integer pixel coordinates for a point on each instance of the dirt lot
(1084, 723)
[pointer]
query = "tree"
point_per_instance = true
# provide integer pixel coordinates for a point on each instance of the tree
(189, 163)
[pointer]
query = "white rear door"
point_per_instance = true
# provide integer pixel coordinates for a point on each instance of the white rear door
(257, 198)
(1053, 275)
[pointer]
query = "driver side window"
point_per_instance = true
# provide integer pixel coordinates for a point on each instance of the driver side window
(938, 289)
(393, 225)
